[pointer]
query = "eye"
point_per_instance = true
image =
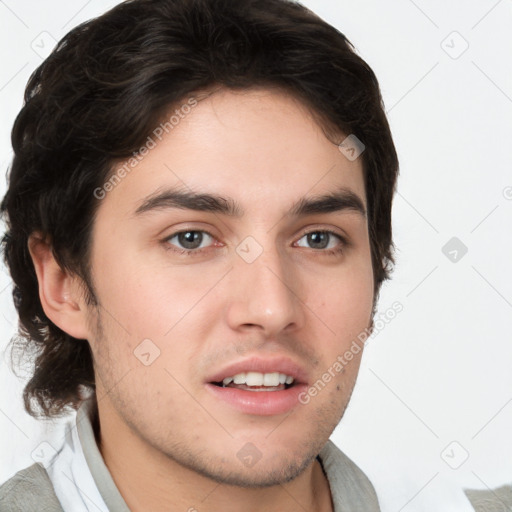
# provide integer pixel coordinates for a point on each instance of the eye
(321, 240)
(194, 241)
(190, 240)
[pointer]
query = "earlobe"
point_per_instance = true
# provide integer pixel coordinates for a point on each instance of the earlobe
(59, 290)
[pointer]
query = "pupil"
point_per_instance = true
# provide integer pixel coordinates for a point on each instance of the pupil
(190, 239)
(318, 240)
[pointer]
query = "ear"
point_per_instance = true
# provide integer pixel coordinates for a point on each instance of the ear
(60, 292)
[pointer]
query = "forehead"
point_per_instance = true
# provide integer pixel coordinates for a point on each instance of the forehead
(261, 147)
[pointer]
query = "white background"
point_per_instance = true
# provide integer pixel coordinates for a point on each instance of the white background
(440, 372)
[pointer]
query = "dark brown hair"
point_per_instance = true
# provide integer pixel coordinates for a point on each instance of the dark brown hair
(94, 101)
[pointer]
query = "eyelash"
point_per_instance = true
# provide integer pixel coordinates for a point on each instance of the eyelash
(344, 243)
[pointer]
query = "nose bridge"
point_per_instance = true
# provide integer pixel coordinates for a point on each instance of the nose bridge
(266, 289)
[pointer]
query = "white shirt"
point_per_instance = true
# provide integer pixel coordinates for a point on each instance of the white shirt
(71, 477)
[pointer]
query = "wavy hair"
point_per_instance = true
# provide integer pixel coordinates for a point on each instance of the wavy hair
(96, 98)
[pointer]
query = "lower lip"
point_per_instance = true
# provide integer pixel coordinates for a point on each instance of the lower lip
(262, 403)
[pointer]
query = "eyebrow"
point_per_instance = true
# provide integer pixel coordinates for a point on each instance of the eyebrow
(339, 200)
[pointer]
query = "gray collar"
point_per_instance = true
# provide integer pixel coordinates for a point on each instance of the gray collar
(351, 490)
(102, 477)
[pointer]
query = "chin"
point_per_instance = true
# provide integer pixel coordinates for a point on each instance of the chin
(248, 467)
(260, 475)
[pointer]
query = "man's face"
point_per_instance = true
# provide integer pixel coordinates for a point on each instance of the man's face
(266, 291)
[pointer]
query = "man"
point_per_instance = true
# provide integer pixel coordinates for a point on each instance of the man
(199, 223)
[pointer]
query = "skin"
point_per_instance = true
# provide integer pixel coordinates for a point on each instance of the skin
(170, 444)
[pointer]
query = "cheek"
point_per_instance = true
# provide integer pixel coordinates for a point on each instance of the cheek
(150, 298)
(344, 301)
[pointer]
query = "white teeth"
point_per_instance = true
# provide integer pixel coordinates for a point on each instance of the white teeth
(254, 379)
(273, 379)
(239, 378)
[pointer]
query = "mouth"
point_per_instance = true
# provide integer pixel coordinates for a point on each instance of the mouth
(258, 382)
(258, 386)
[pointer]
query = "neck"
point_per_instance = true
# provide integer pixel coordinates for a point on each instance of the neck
(150, 480)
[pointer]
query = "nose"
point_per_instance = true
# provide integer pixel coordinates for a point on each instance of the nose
(265, 294)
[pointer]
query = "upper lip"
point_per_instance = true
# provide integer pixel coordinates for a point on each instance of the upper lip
(262, 365)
